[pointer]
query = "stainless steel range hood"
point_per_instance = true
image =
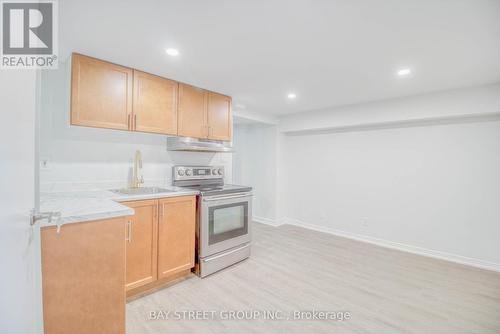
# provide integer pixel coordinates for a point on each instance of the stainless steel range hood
(198, 145)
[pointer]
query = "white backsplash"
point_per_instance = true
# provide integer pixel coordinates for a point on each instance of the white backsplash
(63, 176)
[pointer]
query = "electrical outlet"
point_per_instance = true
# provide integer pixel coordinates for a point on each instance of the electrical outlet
(364, 222)
(45, 164)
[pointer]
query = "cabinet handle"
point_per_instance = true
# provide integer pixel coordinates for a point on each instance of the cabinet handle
(135, 121)
(161, 211)
(129, 231)
(128, 122)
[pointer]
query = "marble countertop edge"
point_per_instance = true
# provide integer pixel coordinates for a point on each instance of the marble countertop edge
(86, 206)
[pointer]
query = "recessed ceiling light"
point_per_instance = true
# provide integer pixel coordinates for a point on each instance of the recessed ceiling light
(291, 96)
(172, 52)
(404, 71)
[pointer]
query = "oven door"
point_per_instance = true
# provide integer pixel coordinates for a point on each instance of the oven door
(225, 222)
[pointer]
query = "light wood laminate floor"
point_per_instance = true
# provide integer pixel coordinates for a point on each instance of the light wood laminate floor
(291, 268)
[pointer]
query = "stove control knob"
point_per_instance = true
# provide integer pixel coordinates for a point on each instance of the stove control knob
(180, 172)
(189, 172)
(219, 171)
(214, 171)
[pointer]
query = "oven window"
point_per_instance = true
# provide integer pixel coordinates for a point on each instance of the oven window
(227, 221)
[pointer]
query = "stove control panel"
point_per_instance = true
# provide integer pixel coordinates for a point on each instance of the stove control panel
(197, 172)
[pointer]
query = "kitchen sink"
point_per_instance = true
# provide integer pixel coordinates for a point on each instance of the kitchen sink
(141, 191)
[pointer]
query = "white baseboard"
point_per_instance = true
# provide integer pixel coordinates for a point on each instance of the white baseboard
(268, 221)
(398, 246)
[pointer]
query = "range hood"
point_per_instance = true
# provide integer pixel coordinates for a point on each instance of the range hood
(197, 145)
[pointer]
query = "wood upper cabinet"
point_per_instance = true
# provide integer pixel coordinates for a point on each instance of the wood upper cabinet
(192, 116)
(106, 95)
(101, 93)
(219, 117)
(155, 104)
(204, 114)
(176, 235)
(83, 274)
(142, 238)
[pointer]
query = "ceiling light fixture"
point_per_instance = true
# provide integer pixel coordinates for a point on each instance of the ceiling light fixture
(291, 96)
(172, 52)
(404, 72)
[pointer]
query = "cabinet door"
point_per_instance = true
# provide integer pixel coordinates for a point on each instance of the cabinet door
(142, 237)
(192, 113)
(176, 235)
(155, 104)
(83, 274)
(219, 117)
(101, 94)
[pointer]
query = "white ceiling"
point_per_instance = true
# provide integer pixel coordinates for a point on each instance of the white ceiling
(328, 52)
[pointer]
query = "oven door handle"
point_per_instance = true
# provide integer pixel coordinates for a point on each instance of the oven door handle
(220, 198)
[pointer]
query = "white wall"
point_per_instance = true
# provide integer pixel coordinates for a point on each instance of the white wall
(82, 158)
(246, 116)
(434, 187)
(417, 173)
(19, 302)
(255, 164)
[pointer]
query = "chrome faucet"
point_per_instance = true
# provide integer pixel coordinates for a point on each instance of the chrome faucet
(137, 177)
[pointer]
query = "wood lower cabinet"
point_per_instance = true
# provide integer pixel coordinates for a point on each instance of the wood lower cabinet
(155, 104)
(160, 243)
(176, 235)
(101, 94)
(192, 117)
(142, 239)
(219, 117)
(83, 275)
(89, 269)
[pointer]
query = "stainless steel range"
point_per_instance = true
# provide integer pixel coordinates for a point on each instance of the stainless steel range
(223, 232)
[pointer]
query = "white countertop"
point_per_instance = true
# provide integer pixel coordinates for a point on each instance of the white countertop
(82, 206)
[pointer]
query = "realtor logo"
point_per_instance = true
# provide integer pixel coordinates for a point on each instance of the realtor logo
(29, 34)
